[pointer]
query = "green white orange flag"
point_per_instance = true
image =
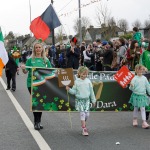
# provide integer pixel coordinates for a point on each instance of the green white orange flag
(3, 53)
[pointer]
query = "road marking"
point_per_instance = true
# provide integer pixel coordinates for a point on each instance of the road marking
(36, 135)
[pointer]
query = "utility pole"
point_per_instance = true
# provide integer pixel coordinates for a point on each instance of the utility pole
(53, 33)
(30, 15)
(80, 28)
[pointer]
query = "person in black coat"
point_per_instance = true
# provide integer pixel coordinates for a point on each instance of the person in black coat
(107, 56)
(73, 55)
(10, 70)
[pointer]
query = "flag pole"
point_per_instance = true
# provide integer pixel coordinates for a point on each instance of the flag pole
(53, 33)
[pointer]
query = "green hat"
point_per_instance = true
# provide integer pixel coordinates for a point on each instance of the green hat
(40, 40)
(15, 48)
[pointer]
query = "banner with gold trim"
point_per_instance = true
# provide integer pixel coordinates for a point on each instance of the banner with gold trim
(47, 95)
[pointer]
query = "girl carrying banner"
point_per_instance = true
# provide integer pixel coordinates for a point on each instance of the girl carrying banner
(83, 91)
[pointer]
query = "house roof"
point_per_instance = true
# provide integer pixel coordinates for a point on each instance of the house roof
(9, 37)
(147, 28)
(30, 41)
(66, 41)
(94, 31)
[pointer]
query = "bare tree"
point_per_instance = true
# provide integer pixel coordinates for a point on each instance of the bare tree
(59, 34)
(137, 23)
(123, 24)
(105, 21)
(146, 23)
(76, 25)
(85, 23)
(111, 22)
(102, 15)
(111, 32)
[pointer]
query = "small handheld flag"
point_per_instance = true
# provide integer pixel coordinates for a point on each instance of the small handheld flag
(123, 76)
(3, 53)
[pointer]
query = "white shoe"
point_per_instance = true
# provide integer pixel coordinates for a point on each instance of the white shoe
(85, 132)
(145, 125)
(135, 123)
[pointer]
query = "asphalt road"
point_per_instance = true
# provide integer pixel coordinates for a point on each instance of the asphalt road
(105, 128)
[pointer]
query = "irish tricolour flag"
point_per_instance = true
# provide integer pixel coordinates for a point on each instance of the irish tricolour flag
(3, 53)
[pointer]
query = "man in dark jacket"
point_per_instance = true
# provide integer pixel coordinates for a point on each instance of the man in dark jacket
(73, 55)
(11, 69)
(107, 56)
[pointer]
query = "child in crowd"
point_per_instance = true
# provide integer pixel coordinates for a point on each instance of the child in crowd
(139, 99)
(83, 91)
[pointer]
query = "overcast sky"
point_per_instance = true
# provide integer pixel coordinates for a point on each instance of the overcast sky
(15, 14)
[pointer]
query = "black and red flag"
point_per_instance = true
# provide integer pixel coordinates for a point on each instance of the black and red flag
(42, 26)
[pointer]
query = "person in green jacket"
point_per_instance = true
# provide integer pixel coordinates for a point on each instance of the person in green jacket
(137, 36)
(145, 60)
(37, 59)
(144, 48)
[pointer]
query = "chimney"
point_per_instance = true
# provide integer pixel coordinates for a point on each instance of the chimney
(91, 26)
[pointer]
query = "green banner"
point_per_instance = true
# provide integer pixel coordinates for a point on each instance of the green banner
(48, 96)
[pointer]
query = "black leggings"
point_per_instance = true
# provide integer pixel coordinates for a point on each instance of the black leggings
(147, 115)
(37, 115)
(11, 76)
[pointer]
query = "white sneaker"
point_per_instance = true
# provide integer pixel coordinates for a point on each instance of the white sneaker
(85, 132)
(145, 125)
(135, 123)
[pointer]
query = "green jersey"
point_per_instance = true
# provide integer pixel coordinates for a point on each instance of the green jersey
(146, 59)
(36, 62)
(138, 36)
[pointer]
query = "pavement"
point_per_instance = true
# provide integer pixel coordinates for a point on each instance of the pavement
(59, 133)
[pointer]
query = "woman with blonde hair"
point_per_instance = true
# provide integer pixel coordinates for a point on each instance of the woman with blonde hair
(37, 59)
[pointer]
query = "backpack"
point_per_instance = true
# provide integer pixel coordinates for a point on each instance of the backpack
(60, 59)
